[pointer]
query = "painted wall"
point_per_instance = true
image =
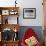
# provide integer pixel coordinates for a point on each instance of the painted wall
(27, 22)
(27, 4)
(39, 13)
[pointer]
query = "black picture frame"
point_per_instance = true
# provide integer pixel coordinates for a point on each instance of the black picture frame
(29, 13)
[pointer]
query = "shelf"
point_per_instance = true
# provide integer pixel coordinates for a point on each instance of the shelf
(11, 41)
(2, 8)
(7, 23)
(6, 12)
(10, 26)
(9, 10)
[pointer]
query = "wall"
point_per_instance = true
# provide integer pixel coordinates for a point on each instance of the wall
(36, 23)
(27, 4)
(39, 13)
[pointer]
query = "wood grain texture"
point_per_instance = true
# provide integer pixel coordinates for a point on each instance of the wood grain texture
(44, 7)
(9, 43)
(11, 26)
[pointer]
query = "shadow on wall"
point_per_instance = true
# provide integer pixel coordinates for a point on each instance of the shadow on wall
(37, 29)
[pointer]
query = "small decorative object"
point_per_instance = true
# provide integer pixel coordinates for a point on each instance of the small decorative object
(15, 36)
(15, 3)
(15, 30)
(5, 12)
(13, 12)
(6, 21)
(7, 34)
(29, 13)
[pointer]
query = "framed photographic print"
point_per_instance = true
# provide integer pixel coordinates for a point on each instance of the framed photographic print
(29, 13)
(5, 12)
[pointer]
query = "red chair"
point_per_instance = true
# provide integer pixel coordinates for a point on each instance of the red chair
(29, 33)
